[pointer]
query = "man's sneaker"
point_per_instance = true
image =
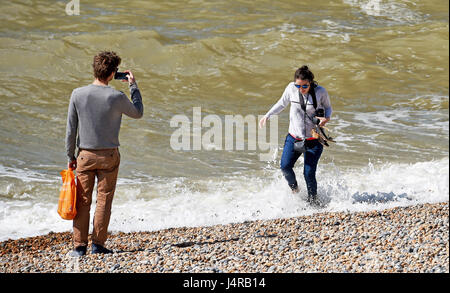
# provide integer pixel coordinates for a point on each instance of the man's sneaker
(96, 248)
(78, 251)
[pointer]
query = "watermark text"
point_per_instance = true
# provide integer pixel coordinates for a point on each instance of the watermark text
(211, 132)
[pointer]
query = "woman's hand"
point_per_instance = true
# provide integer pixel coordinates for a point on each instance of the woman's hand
(262, 122)
(323, 121)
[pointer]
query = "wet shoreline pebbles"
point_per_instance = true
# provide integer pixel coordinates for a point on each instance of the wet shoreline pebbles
(402, 239)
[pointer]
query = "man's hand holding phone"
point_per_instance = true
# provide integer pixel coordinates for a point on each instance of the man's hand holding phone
(127, 75)
(130, 77)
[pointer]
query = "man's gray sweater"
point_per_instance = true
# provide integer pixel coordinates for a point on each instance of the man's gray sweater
(95, 113)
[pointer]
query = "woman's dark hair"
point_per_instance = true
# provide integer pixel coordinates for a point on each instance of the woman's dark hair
(304, 73)
(104, 64)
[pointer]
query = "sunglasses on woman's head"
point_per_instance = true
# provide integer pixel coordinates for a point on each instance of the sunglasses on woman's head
(305, 86)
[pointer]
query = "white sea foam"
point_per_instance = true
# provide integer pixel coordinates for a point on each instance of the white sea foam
(25, 175)
(397, 11)
(402, 120)
(141, 206)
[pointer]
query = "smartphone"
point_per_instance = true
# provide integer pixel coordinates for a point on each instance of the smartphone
(121, 75)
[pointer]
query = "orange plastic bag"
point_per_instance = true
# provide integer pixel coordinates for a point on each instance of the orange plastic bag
(68, 196)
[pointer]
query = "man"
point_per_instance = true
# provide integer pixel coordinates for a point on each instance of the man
(95, 113)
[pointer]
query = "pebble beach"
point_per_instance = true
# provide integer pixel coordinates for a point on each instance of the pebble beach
(397, 240)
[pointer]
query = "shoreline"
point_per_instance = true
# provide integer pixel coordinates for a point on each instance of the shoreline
(402, 239)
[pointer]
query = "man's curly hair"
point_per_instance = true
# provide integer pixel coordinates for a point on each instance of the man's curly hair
(105, 63)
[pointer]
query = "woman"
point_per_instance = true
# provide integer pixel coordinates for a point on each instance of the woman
(301, 94)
